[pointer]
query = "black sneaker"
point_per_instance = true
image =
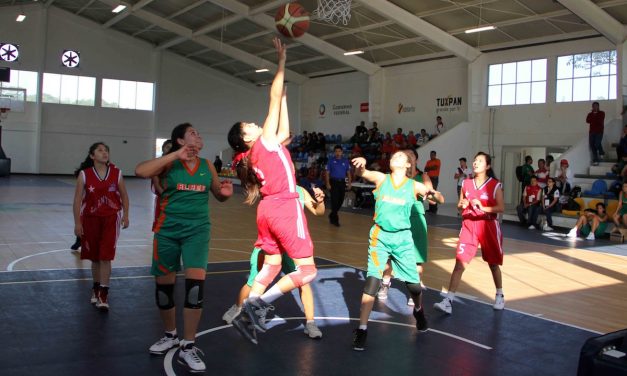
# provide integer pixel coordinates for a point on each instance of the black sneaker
(76, 245)
(257, 309)
(421, 320)
(245, 328)
(359, 339)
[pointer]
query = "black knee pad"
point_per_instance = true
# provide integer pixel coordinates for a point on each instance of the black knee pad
(372, 286)
(414, 288)
(164, 296)
(194, 293)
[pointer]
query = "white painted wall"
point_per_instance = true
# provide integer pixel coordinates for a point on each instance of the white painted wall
(417, 87)
(340, 90)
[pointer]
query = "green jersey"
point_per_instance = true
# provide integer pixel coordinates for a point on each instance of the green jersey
(419, 207)
(301, 195)
(393, 204)
(186, 192)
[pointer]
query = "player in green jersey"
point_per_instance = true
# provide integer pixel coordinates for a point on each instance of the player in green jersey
(390, 237)
(182, 231)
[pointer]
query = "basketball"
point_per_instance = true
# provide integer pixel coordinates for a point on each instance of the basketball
(292, 20)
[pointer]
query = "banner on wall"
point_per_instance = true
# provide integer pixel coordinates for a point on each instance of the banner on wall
(448, 104)
(336, 110)
(364, 107)
(403, 109)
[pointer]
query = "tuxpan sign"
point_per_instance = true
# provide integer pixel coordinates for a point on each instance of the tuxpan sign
(448, 104)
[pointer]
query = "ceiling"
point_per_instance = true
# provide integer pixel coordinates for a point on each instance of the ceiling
(234, 36)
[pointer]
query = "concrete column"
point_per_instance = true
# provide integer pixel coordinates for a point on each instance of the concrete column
(376, 97)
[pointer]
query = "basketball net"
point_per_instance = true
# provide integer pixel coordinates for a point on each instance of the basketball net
(334, 11)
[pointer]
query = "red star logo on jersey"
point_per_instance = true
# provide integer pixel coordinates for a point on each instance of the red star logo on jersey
(91, 189)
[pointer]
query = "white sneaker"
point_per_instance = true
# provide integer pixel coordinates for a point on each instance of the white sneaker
(382, 294)
(410, 302)
(572, 233)
(499, 302)
(591, 236)
(94, 297)
(312, 330)
(163, 345)
(531, 227)
(231, 313)
(444, 306)
(188, 357)
(547, 228)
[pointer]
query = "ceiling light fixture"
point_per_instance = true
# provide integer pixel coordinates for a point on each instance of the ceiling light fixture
(119, 8)
(478, 29)
(20, 18)
(356, 52)
(262, 70)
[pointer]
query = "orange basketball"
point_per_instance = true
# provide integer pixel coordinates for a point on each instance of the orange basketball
(292, 20)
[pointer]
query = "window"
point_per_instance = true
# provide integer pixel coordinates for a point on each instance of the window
(127, 94)
(585, 77)
(66, 89)
(158, 145)
(521, 82)
(24, 80)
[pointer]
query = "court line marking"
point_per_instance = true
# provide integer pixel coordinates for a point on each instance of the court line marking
(169, 357)
(140, 276)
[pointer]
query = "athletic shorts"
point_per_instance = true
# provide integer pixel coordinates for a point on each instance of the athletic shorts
(282, 228)
(100, 236)
(256, 262)
(398, 247)
(587, 229)
(419, 235)
(485, 233)
(190, 242)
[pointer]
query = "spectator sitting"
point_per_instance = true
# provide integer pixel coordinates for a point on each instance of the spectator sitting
(550, 203)
(563, 177)
(591, 224)
(382, 164)
(542, 173)
(530, 204)
(423, 138)
(411, 140)
(387, 146)
(620, 216)
(399, 139)
(439, 127)
(311, 159)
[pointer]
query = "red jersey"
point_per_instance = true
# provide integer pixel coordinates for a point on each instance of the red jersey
(486, 193)
(101, 196)
(274, 168)
(533, 194)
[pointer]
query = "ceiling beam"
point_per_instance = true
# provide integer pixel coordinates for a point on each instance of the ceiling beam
(596, 17)
(126, 12)
(308, 40)
(85, 7)
(213, 44)
(173, 15)
(421, 27)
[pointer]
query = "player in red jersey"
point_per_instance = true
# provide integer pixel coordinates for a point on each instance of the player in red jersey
(100, 203)
(265, 168)
(480, 200)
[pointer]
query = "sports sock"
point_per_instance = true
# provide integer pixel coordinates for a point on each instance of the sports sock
(271, 295)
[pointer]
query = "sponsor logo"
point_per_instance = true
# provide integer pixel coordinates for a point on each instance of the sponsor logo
(342, 109)
(322, 109)
(364, 107)
(401, 108)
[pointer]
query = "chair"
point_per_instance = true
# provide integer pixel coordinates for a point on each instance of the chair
(611, 207)
(576, 213)
(599, 188)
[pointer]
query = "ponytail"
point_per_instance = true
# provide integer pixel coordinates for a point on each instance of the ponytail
(89, 162)
(242, 164)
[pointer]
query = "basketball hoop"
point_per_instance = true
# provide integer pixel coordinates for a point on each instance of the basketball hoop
(334, 11)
